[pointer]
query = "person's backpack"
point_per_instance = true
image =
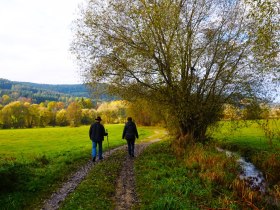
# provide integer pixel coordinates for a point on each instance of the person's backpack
(130, 131)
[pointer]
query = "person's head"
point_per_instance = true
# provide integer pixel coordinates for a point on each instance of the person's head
(129, 119)
(98, 119)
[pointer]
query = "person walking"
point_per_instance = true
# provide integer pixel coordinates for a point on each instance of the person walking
(96, 134)
(130, 133)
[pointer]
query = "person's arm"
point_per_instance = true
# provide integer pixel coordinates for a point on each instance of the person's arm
(124, 131)
(136, 132)
(90, 131)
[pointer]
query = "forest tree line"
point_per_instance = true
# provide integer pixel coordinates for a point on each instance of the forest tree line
(46, 92)
(82, 111)
(24, 114)
(41, 92)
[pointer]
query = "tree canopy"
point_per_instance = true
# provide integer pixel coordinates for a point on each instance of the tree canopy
(189, 56)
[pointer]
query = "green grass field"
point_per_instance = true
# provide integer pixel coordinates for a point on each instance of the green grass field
(34, 161)
(22, 143)
(249, 134)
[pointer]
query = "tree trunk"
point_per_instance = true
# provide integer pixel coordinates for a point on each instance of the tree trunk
(193, 131)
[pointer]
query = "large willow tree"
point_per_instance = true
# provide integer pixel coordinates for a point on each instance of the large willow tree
(189, 56)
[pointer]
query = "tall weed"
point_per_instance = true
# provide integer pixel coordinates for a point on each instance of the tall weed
(211, 165)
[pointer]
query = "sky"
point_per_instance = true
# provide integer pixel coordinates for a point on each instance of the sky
(35, 37)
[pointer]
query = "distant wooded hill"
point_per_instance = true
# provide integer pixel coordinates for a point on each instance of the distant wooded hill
(45, 92)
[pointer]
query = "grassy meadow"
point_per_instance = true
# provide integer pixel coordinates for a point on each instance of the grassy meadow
(24, 143)
(34, 161)
(202, 178)
(258, 135)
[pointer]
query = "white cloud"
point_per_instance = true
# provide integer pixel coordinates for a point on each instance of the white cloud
(35, 37)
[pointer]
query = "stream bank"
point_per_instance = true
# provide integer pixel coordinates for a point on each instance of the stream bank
(255, 179)
(249, 173)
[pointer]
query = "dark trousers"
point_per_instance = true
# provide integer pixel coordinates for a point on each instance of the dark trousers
(130, 146)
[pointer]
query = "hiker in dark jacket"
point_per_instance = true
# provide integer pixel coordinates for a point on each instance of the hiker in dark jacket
(96, 134)
(130, 133)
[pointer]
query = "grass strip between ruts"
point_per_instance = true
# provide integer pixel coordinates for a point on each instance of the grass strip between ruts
(98, 188)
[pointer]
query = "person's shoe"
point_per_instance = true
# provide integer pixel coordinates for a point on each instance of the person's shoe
(132, 155)
(93, 159)
(101, 158)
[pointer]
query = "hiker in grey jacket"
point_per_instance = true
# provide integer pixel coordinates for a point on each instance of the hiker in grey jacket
(130, 133)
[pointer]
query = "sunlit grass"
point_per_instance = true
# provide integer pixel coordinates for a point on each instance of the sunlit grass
(249, 134)
(22, 142)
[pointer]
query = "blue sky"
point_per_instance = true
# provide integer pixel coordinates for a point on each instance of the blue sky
(35, 37)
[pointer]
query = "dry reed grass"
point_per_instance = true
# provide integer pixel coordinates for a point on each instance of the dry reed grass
(211, 165)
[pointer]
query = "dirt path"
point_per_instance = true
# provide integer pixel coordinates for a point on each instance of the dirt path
(125, 195)
(69, 186)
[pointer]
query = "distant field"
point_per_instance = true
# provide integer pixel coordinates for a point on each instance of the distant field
(22, 143)
(249, 133)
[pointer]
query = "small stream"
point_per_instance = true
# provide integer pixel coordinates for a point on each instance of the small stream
(249, 173)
